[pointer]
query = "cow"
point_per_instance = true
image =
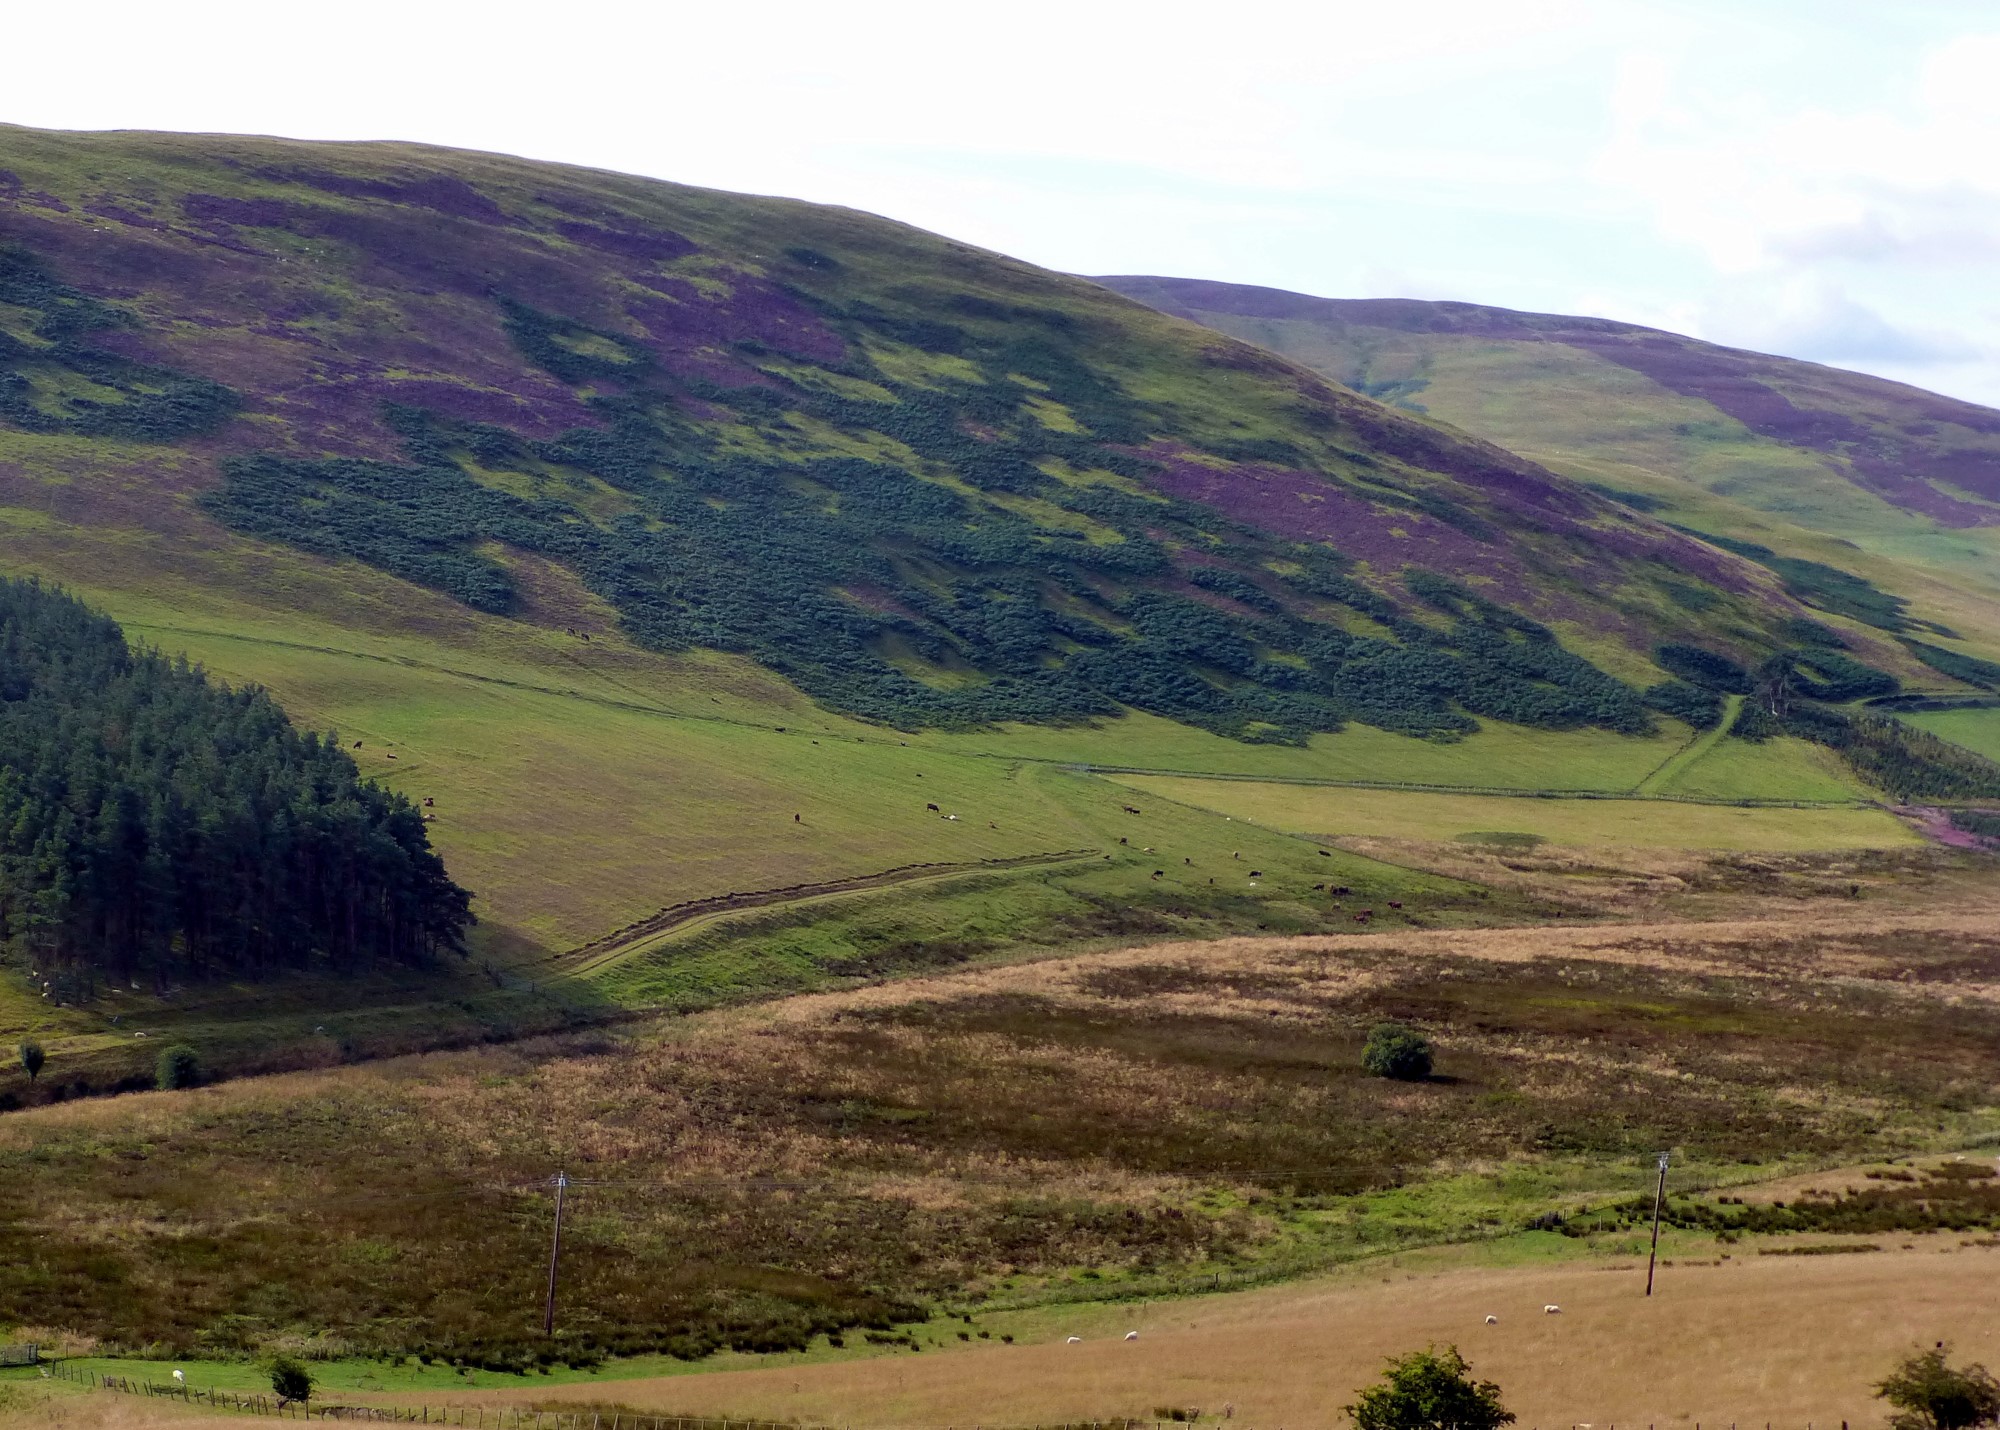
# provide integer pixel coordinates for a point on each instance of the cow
(1342, 889)
(1159, 873)
(1394, 905)
(1123, 840)
(428, 802)
(357, 744)
(1326, 853)
(796, 819)
(1188, 862)
(1319, 888)
(1129, 809)
(1361, 918)
(933, 809)
(1256, 873)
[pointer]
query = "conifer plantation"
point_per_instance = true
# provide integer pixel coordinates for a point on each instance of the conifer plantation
(156, 826)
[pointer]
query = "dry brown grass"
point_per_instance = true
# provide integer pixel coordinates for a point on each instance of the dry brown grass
(1783, 1339)
(1134, 1112)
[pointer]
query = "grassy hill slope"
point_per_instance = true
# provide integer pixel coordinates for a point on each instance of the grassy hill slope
(1886, 482)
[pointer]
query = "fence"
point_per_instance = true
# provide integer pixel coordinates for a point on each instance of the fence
(479, 1417)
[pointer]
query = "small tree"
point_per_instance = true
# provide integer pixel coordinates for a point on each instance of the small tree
(290, 1381)
(1930, 1395)
(1430, 1390)
(179, 1066)
(1397, 1052)
(32, 1058)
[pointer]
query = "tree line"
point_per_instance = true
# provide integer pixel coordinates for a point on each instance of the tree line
(157, 826)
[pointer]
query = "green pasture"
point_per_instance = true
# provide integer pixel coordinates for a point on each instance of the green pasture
(1633, 823)
(1977, 730)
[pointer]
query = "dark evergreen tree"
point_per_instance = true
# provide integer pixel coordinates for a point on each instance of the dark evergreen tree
(157, 826)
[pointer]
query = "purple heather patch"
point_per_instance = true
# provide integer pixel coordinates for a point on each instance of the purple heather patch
(440, 193)
(125, 216)
(755, 309)
(246, 213)
(660, 245)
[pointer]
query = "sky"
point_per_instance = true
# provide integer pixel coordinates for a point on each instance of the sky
(1818, 178)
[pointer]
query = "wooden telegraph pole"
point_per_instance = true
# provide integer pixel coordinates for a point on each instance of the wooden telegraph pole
(1659, 1203)
(555, 1255)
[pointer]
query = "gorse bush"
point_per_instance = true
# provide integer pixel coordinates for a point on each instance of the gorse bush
(1931, 1394)
(154, 826)
(178, 1067)
(1430, 1390)
(291, 1382)
(1394, 1051)
(33, 1058)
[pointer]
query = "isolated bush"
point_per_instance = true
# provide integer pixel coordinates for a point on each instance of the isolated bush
(32, 1058)
(179, 1066)
(1430, 1390)
(1398, 1052)
(1931, 1395)
(290, 1381)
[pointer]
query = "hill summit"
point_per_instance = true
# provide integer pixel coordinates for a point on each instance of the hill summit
(927, 484)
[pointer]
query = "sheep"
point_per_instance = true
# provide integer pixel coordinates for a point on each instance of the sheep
(1074, 1341)
(1492, 1320)
(1552, 1309)
(180, 1377)
(1131, 1335)
(951, 816)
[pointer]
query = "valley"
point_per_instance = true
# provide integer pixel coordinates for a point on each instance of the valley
(952, 764)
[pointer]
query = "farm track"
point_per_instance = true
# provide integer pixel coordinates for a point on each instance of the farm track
(613, 948)
(1680, 760)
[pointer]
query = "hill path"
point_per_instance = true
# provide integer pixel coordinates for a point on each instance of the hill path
(1680, 760)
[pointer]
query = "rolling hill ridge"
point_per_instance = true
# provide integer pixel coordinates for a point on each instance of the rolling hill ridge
(689, 551)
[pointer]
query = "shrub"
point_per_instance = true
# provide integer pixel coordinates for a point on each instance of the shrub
(1430, 1390)
(1396, 1052)
(32, 1058)
(179, 1066)
(1929, 1394)
(290, 1381)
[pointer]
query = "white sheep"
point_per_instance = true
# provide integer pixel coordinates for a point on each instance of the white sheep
(1552, 1310)
(1492, 1320)
(1074, 1341)
(1131, 1335)
(180, 1377)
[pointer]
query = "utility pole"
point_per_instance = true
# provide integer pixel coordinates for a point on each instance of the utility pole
(1659, 1203)
(555, 1255)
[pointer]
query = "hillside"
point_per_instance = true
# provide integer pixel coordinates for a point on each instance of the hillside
(1877, 503)
(747, 588)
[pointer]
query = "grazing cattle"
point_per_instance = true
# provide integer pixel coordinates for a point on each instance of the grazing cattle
(569, 630)
(1342, 889)
(1326, 853)
(933, 809)
(428, 801)
(1367, 913)
(1361, 918)
(1123, 840)
(1129, 809)
(1188, 862)
(357, 744)
(1552, 1310)
(1394, 905)
(1492, 1320)
(797, 820)
(584, 634)
(1159, 873)
(1256, 873)
(1319, 886)
(1236, 854)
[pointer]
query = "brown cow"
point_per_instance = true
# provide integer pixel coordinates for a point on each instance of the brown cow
(1394, 905)
(1361, 918)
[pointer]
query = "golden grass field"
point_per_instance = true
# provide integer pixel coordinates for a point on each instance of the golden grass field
(1790, 1340)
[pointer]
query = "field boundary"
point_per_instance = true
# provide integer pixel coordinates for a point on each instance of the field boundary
(590, 957)
(1498, 792)
(1688, 755)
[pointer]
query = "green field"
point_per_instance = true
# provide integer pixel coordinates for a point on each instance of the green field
(1977, 730)
(1632, 823)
